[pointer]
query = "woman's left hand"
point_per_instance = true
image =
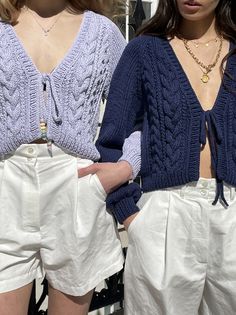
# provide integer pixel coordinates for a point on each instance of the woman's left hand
(111, 175)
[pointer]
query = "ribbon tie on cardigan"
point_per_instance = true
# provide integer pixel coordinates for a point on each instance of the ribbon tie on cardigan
(209, 123)
(49, 83)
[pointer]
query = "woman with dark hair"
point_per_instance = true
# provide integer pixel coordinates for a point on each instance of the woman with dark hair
(57, 58)
(175, 89)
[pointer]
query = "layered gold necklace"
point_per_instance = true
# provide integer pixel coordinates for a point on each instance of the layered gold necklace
(206, 69)
(207, 43)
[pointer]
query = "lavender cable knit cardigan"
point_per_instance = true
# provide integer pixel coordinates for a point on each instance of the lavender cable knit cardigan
(74, 90)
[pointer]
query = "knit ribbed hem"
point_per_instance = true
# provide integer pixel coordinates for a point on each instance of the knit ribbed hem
(134, 161)
(125, 208)
(158, 181)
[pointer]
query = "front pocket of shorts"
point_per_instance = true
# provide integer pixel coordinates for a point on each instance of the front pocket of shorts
(141, 205)
(98, 185)
(152, 214)
(134, 222)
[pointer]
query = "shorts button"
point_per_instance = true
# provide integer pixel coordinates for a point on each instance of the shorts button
(30, 150)
(203, 192)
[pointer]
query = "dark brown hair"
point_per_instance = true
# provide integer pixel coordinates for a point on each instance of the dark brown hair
(166, 21)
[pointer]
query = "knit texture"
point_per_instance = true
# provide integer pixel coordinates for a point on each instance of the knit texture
(74, 88)
(151, 93)
(132, 152)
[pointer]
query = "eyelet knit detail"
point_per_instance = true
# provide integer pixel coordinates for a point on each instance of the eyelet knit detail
(75, 88)
(17, 88)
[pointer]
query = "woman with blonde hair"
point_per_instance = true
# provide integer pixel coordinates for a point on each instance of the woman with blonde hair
(57, 58)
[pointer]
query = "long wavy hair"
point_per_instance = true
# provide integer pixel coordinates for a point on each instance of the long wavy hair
(167, 19)
(10, 9)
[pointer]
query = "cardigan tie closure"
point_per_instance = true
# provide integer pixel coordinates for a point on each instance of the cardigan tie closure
(210, 126)
(56, 109)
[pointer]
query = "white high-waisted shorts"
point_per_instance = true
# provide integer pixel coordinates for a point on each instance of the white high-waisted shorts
(182, 253)
(54, 223)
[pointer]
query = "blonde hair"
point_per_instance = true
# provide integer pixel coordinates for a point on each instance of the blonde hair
(10, 9)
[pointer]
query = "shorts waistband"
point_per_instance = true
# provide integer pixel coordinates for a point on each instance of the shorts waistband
(41, 151)
(205, 188)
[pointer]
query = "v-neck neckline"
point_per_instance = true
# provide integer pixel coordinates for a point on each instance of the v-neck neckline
(64, 62)
(186, 82)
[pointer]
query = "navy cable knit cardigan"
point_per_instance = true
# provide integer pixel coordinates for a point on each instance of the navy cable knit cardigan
(151, 93)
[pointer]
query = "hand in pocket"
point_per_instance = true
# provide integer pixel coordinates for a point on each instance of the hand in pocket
(111, 175)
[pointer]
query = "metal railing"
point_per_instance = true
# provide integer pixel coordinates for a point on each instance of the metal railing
(112, 294)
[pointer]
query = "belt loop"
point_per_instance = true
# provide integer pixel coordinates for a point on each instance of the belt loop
(182, 191)
(232, 193)
(49, 147)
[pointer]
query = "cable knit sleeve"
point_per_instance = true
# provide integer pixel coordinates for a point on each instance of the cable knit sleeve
(122, 118)
(132, 145)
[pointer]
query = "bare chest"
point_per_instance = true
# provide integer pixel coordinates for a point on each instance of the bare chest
(46, 52)
(206, 92)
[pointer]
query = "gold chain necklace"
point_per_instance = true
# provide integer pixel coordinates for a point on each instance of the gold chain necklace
(208, 68)
(45, 30)
(197, 43)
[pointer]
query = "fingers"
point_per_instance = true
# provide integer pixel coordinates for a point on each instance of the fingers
(91, 169)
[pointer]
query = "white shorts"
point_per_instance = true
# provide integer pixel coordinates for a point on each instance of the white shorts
(182, 253)
(54, 223)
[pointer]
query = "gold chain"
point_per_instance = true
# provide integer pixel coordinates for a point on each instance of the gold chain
(208, 68)
(197, 43)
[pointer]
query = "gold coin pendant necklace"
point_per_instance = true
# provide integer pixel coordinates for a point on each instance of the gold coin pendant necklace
(206, 69)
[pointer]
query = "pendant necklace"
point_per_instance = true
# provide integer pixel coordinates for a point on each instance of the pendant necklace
(206, 69)
(45, 30)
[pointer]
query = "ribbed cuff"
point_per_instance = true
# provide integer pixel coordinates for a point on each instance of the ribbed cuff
(125, 208)
(134, 161)
(122, 201)
(132, 152)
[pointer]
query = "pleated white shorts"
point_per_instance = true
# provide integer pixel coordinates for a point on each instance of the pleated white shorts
(182, 253)
(54, 223)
